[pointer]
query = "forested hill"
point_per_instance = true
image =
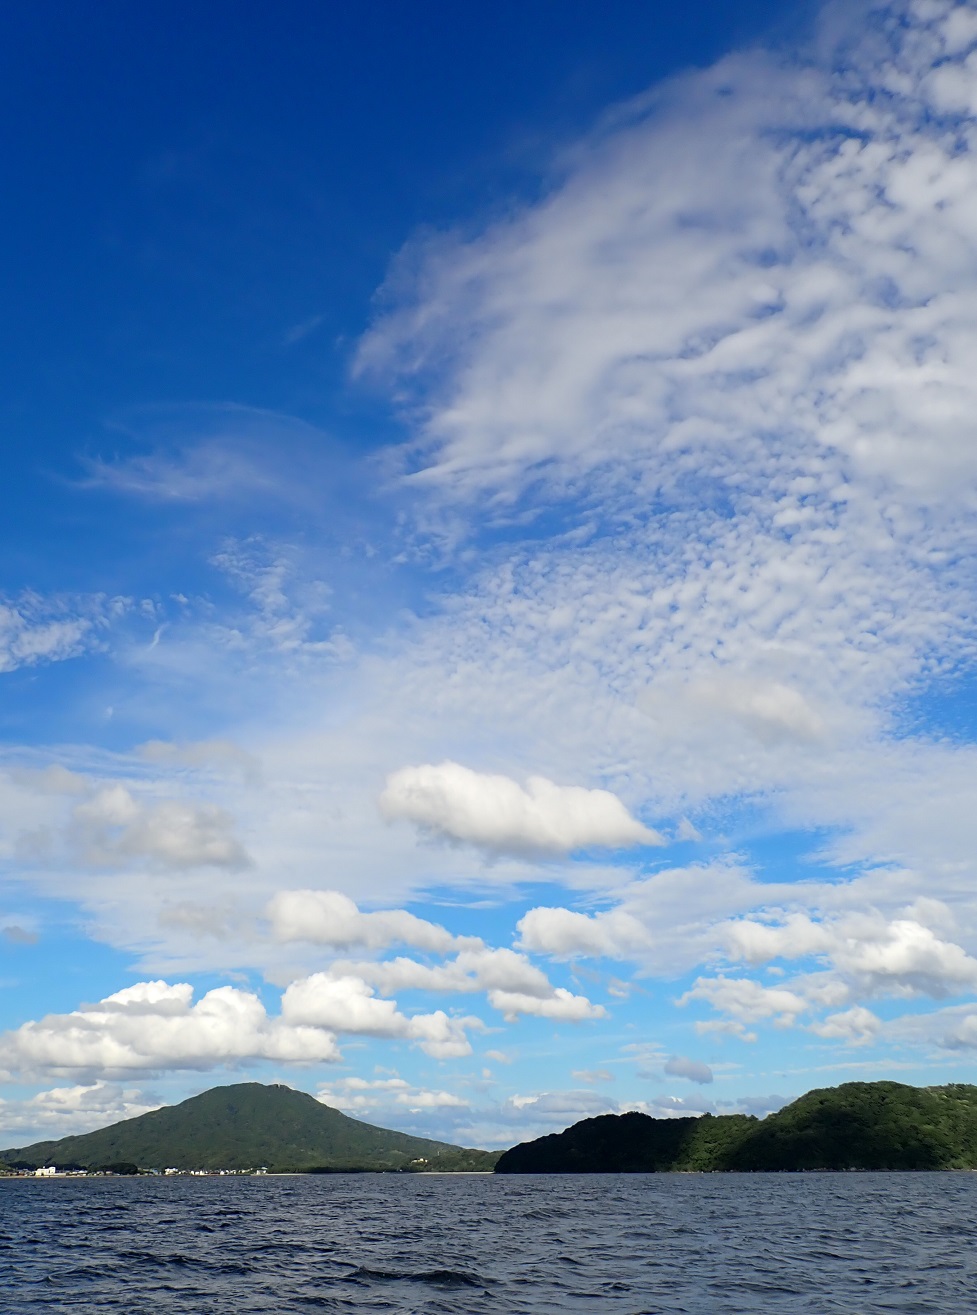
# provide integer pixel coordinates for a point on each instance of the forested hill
(250, 1125)
(859, 1125)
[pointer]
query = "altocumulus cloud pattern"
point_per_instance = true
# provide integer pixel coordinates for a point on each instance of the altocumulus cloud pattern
(612, 746)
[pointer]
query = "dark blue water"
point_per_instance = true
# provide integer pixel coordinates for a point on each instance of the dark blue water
(634, 1245)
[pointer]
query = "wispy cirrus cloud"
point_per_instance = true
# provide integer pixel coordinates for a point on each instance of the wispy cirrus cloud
(35, 629)
(223, 453)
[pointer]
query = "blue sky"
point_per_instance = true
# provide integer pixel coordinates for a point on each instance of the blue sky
(488, 557)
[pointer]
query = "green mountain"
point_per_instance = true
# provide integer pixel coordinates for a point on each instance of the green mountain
(859, 1125)
(248, 1126)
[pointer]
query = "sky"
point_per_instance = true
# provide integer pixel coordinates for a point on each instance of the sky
(488, 557)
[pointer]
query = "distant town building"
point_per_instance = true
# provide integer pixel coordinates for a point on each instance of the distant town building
(46, 1171)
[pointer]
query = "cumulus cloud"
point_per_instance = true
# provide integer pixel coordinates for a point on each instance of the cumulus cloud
(746, 1001)
(909, 957)
(952, 1028)
(157, 1026)
(481, 969)
(391, 1101)
(960, 1035)
(680, 1066)
(113, 827)
(858, 1026)
(348, 1004)
(512, 984)
(565, 934)
(873, 955)
(562, 1004)
(327, 917)
(431, 1100)
(66, 1111)
(497, 814)
(758, 942)
(667, 922)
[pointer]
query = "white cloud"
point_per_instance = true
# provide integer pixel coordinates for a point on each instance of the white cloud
(35, 630)
(746, 1001)
(206, 470)
(157, 1026)
(909, 956)
(498, 814)
(564, 1107)
(327, 917)
(857, 1025)
(758, 942)
(762, 257)
(565, 934)
(217, 453)
(760, 706)
(960, 1035)
(680, 1066)
(348, 1004)
(667, 923)
(935, 1032)
(114, 827)
(513, 985)
(732, 350)
(66, 1111)
(873, 955)
(731, 356)
(53, 779)
(562, 1004)
(472, 970)
(431, 1100)
(359, 1095)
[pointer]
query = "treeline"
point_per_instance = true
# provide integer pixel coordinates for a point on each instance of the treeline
(859, 1125)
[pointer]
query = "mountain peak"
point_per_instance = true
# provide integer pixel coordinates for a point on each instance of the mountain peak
(245, 1125)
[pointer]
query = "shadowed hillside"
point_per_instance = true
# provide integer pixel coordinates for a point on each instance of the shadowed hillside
(859, 1125)
(248, 1126)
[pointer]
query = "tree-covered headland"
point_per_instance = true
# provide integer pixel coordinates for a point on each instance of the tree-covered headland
(859, 1125)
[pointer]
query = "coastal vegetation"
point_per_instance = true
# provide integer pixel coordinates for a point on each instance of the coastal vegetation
(250, 1125)
(859, 1125)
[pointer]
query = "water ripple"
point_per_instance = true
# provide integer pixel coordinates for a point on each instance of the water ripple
(788, 1244)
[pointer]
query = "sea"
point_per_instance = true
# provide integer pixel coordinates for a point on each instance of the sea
(636, 1244)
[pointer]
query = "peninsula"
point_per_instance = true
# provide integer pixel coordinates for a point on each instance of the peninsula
(859, 1125)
